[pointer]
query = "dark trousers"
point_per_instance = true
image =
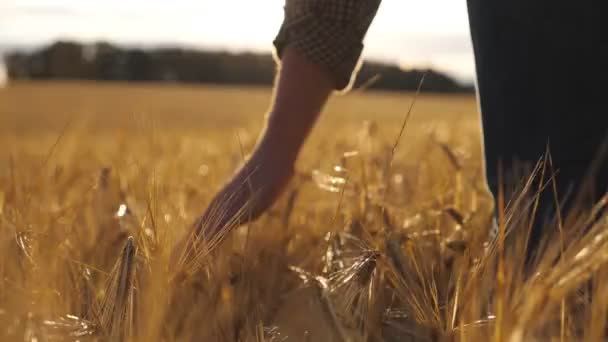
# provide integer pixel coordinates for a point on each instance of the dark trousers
(542, 77)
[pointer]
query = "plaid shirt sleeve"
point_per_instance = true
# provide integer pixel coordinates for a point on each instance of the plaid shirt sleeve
(329, 33)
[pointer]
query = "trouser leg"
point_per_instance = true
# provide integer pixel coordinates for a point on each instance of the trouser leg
(541, 67)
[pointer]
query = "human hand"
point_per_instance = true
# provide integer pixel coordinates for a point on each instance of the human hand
(252, 190)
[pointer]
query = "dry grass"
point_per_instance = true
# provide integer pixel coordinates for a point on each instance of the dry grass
(97, 183)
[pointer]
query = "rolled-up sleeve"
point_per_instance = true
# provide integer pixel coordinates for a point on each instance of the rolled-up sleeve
(329, 33)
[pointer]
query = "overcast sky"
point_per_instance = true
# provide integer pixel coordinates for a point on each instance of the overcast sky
(409, 32)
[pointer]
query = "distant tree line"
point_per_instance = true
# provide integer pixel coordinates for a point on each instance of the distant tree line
(103, 61)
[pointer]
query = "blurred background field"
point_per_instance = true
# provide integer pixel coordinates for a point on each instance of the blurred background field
(209, 118)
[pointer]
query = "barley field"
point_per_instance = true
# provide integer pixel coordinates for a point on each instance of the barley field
(379, 237)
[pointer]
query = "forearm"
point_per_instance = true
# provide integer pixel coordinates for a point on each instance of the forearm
(302, 90)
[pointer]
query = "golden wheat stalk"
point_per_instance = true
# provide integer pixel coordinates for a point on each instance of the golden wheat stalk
(118, 306)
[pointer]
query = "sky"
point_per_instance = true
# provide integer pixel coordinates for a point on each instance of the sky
(411, 33)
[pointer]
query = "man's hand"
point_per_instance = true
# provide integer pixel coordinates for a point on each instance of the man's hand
(253, 189)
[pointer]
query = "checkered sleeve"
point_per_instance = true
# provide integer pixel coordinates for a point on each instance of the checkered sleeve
(328, 32)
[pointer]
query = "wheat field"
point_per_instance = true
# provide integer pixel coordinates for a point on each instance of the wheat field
(377, 238)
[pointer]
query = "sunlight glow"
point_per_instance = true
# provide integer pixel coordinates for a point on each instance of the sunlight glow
(409, 32)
